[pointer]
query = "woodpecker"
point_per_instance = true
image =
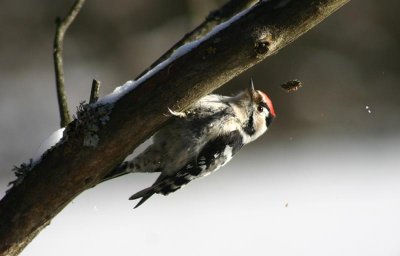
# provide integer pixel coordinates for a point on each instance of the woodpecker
(200, 140)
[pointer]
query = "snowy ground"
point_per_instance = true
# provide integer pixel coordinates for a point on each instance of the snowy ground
(335, 197)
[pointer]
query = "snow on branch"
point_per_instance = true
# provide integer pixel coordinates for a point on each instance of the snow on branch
(138, 109)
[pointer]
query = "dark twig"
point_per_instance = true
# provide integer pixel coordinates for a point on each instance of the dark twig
(61, 28)
(94, 92)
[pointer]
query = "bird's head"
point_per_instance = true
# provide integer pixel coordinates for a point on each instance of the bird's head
(254, 110)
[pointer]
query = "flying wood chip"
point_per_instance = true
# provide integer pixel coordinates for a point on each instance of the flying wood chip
(292, 85)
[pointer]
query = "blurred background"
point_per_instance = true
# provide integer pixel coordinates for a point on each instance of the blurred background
(323, 181)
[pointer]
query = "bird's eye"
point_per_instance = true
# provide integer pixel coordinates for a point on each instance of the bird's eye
(260, 108)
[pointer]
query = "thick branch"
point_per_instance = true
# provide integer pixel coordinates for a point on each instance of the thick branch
(61, 28)
(71, 168)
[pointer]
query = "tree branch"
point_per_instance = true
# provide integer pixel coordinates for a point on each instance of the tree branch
(94, 92)
(75, 165)
(61, 28)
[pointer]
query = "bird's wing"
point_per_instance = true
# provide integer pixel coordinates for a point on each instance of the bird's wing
(213, 155)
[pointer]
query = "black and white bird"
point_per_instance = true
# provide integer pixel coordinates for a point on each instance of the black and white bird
(200, 140)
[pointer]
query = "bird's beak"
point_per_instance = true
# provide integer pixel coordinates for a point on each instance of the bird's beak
(252, 91)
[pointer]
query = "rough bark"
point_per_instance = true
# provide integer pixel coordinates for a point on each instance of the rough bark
(71, 168)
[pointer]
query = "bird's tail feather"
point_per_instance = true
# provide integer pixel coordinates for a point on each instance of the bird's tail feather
(144, 194)
(147, 192)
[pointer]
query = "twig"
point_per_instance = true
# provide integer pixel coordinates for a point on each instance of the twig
(94, 92)
(70, 168)
(61, 28)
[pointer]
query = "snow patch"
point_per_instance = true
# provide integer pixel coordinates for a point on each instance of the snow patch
(51, 141)
(118, 92)
(22, 170)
